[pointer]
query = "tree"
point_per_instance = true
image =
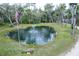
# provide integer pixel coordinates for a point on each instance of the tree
(67, 16)
(62, 11)
(73, 12)
(49, 9)
(77, 15)
(6, 11)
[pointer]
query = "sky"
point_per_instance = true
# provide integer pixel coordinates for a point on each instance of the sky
(41, 3)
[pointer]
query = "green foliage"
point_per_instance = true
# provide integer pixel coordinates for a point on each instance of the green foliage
(25, 19)
(28, 15)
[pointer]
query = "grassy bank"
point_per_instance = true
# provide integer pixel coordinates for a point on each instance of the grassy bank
(63, 41)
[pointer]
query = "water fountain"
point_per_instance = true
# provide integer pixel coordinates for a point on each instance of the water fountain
(39, 35)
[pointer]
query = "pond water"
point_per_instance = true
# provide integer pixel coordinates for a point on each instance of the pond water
(39, 35)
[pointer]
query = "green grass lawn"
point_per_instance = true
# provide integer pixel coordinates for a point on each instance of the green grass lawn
(63, 41)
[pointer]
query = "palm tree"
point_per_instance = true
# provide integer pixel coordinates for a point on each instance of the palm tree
(73, 7)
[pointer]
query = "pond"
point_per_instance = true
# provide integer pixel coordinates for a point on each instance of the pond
(39, 35)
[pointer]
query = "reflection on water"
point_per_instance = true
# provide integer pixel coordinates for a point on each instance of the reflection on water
(34, 35)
